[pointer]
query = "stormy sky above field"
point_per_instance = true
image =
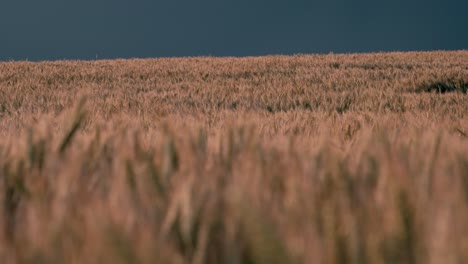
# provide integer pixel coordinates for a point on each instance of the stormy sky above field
(86, 29)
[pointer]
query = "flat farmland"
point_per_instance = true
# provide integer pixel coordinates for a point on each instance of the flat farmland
(356, 158)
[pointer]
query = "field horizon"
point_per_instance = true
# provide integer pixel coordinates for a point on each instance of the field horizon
(208, 56)
(331, 158)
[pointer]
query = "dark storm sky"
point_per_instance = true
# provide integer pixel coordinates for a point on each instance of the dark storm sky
(82, 29)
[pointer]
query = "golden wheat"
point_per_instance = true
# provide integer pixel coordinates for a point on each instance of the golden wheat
(359, 158)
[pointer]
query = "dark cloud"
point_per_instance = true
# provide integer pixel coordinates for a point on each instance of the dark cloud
(66, 29)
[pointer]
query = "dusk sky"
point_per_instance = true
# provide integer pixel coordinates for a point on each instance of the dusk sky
(66, 29)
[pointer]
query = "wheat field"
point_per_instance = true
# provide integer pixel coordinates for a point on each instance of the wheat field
(356, 158)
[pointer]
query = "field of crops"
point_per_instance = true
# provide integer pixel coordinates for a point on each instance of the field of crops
(358, 158)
